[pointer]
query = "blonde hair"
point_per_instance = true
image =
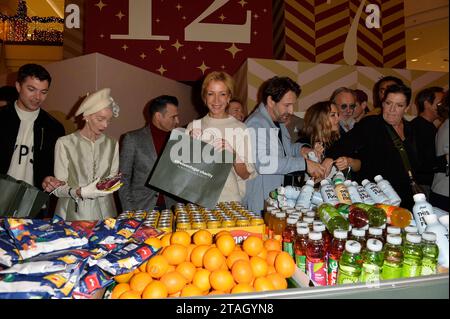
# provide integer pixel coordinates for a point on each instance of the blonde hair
(317, 126)
(218, 76)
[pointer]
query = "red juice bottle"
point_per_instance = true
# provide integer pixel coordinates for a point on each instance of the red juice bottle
(337, 247)
(289, 236)
(316, 267)
(320, 227)
(300, 247)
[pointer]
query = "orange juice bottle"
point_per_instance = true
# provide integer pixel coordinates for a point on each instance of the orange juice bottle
(278, 225)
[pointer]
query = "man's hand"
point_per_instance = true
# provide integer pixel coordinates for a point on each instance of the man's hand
(50, 183)
(305, 150)
(315, 170)
(343, 163)
(328, 165)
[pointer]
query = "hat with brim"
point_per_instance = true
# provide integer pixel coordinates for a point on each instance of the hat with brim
(97, 101)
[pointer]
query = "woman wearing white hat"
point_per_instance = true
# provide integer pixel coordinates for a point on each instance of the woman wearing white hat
(83, 158)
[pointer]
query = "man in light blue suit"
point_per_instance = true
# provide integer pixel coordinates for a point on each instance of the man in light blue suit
(274, 154)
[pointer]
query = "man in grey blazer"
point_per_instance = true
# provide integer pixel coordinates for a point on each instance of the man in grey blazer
(139, 152)
(274, 153)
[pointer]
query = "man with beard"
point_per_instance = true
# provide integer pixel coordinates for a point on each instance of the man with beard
(344, 99)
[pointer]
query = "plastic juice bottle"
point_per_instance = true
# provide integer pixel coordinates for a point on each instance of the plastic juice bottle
(320, 228)
(375, 192)
(421, 208)
(316, 267)
(392, 230)
(289, 236)
(343, 209)
(444, 222)
(441, 239)
(393, 258)
(376, 233)
(412, 256)
(408, 229)
(300, 247)
(302, 224)
(342, 192)
(309, 221)
(328, 194)
(337, 247)
(350, 263)
(397, 216)
(306, 194)
(384, 230)
(430, 252)
(377, 216)
(353, 192)
(270, 222)
(331, 218)
(267, 219)
(317, 198)
(372, 261)
(388, 190)
(357, 217)
(366, 199)
(279, 224)
(310, 214)
(359, 235)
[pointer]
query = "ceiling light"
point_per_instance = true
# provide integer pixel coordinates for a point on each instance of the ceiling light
(416, 39)
(414, 60)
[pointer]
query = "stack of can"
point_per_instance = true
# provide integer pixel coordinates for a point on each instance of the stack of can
(161, 220)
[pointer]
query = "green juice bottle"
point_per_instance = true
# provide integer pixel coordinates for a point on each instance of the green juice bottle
(393, 258)
(372, 261)
(350, 264)
(430, 254)
(412, 252)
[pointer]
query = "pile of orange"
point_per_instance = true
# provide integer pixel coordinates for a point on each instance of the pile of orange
(201, 265)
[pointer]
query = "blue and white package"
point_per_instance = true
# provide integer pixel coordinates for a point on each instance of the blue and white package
(92, 279)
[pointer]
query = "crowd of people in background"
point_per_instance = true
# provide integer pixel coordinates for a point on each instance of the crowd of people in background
(341, 132)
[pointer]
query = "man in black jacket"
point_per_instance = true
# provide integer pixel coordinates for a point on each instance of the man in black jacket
(28, 133)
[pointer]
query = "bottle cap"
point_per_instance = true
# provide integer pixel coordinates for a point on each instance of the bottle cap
(324, 182)
(365, 182)
(318, 222)
(315, 235)
(413, 238)
(310, 213)
(383, 226)
(302, 224)
(308, 220)
(291, 221)
(429, 236)
(350, 227)
(430, 219)
(374, 244)
(392, 230)
(352, 246)
(358, 232)
(354, 183)
(375, 231)
(302, 230)
(310, 182)
(298, 207)
(394, 239)
(319, 227)
(419, 197)
(444, 220)
(366, 227)
(340, 234)
(348, 183)
(378, 178)
(290, 211)
(411, 229)
(304, 210)
(271, 208)
(281, 215)
(296, 216)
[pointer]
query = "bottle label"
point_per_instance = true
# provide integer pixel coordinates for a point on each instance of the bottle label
(329, 195)
(420, 212)
(365, 197)
(428, 267)
(289, 248)
(411, 270)
(317, 271)
(300, 260)
(343, 195)
(370, 274)
(333, 266)
(391, 271)
(348, 275)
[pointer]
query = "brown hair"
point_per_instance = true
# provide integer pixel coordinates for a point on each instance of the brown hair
(317, 126)
(218, 76)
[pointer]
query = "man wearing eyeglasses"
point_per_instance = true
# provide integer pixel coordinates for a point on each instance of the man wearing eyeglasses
(345, 100)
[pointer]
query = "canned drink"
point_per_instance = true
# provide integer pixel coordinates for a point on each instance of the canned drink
(227, 223)
(242, 223)
(198, 225)
(214, 224)
(184, 226)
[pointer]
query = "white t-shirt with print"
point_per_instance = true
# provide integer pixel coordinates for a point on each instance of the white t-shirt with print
(21, 165)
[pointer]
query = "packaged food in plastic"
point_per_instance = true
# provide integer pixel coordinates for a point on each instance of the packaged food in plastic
(9, 254)
(110, 231)
(92, 279)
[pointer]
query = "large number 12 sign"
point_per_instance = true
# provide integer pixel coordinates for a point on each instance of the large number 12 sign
(140, 25)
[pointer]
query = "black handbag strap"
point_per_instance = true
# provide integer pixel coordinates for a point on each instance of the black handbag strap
(401, 149)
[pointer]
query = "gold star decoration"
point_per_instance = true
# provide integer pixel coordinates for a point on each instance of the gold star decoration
(203, 67)
(120, 15)
(177, 45)
(199, 48)
(233, 50)
(125, 47)
(179, 6)
(100, 5)
(160, 49)
(161, 69)
(222, 17)
(143, 55)
(242, 3)
(255, 16)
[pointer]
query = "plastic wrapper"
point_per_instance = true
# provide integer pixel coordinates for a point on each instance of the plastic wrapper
(9, 254)
(145, 232)
(34, 237)
(92, 280)
(112, 232)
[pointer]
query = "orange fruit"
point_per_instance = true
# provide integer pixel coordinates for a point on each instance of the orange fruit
(213, 259)
(285, 265)
(242, 272)
(242, 288)
(238, 248)
(165, 239)
(253, 245)
(143, 266)
(130, 294)
(222, 232)
(272, 244)
(139, 281)
(263, 253)
(119, 289)
(171, 268)
(124, 278)
(263, 284)
(235, 256)
(202, 237)
(154, 242)
(221, 280)
(180, 237)
(175, 294)
(201, 279)
(259, 266)
(226, 244)
(175, 254)
(155, 289)
(190, 248)
(216, 292)
(174, 281)
(271, 255)
(187, 269)
(278, 281)
(157, 266)
(271, 270)
(191, 291)
(197, 255)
